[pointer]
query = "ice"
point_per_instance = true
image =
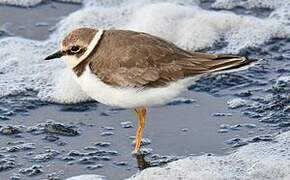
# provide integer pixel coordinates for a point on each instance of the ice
(23, 70)
(256, 161)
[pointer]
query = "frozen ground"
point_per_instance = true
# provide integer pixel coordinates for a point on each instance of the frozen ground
(218, 115)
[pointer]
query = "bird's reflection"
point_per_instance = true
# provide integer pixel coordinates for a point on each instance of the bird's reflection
(142, 162)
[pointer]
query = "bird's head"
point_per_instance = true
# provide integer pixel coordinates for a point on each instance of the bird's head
(76, 46)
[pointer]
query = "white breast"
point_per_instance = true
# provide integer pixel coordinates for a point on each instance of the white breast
(129, 97)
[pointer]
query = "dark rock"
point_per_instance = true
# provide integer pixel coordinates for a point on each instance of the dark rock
(184, 130)
(107, 133)
(75, 153)
(261, 138)
(15, 177)
(223, 130)
(250, 126)
(51, 138)
(67, 158)
(236, 142)
(126, 124)
(88, 160)
(121, 163)
(109, 128)
(32, 171)
(4, 118)
(93, 167)
(20, 147)
(178, 101)
(105, 158)
(222, 114)
(48, 155)
(7, 163)
(90, 148)
(144, 141)
(9, 130)
(61, 129)
(102, 144)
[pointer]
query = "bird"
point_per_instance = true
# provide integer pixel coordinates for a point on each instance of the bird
(137, 70)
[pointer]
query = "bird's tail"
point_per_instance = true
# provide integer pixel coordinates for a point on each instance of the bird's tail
(221, 63)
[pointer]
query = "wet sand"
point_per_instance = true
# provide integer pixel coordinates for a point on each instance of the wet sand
(36, 22)
(176, 130)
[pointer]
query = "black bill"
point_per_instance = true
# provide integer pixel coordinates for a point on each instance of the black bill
(58, 54)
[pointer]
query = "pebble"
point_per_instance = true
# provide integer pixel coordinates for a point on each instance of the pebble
(184, 130)
(102, 144)
(126, 124)
(109, 128)
(236, 127)
(178, 101)
(93, 167)
(9, 130)
(90, 148)
(4, 118)
(223, 130)
(48, 155)
(7, 163)
(144, 141)
(51, 138)
(20, 147)
(146, 151)
(32, 171)
(61, 129)
(236, 142)
(15, 177)
(67, 158)
(121, 163)
(261, 138)
(107, 133)
(222, 114)
(88, 160)
(105, 158)
(244, 94)
(250, 126)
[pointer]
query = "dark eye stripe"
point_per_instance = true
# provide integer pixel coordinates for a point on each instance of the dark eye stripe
(75, 48)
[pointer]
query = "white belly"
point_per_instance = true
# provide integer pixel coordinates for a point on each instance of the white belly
(129, 97)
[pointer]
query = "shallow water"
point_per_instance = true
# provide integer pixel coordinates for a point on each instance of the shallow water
(201, 123)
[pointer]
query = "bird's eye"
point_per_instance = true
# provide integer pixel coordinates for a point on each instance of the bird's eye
(75, 49)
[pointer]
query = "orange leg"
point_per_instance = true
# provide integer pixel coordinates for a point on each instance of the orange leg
(141, 115)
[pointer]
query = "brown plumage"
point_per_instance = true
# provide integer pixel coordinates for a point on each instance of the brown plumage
(133, 59)
(142, 62)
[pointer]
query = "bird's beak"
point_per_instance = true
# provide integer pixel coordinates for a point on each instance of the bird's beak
(58, 54)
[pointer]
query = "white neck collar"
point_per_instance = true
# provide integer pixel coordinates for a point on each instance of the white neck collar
(91, 46)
